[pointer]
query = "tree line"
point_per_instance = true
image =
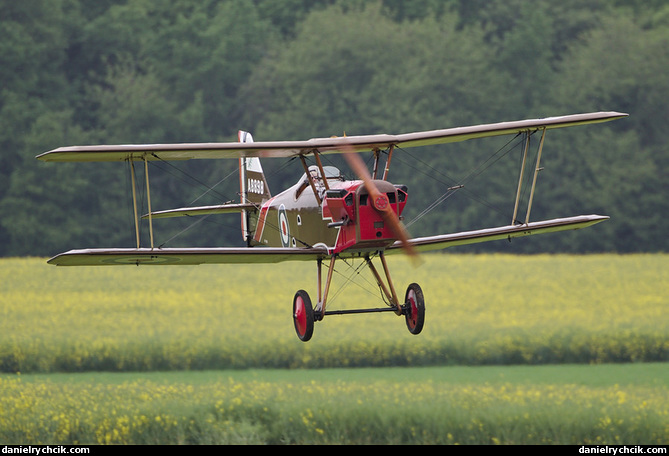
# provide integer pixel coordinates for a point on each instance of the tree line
(144, 71)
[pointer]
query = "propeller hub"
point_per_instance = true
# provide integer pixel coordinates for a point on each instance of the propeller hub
(381, 202)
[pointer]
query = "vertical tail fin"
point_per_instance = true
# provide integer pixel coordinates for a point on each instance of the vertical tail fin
(253, 187)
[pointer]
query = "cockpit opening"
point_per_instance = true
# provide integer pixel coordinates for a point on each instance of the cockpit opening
(331, 173)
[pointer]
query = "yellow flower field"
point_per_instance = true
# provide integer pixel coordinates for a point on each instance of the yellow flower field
(211, 409)
(481, 309)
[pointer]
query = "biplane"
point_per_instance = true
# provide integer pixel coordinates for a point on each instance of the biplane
(323, 217)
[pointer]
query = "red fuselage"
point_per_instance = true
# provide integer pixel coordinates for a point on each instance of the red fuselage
(345, 220)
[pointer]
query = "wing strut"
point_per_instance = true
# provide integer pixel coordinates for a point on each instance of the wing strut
(311, 180)
(534, 179)
(322, 171)
(134, 200)
(390, 156)
(148, 199)
(377, 155)
(537, 168)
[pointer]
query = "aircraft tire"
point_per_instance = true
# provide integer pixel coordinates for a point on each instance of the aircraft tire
(415, 308)
(303, 315)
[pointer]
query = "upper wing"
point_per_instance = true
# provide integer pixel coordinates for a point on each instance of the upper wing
(322, 145)
(185, 256)
(425, 244)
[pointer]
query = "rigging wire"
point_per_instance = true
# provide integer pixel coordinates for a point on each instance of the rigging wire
(351, 279)
(233, 172)
(476, 171)
(433, 172)
(473, 173)
(197, 222)
(191, 177)
(268, 224)
(179, 174)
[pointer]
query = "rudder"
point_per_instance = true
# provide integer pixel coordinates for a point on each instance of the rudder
(253, 188)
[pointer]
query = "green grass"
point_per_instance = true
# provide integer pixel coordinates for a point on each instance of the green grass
(603, 404)
(599, 375)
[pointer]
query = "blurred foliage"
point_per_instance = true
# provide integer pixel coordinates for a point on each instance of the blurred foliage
(140, 71)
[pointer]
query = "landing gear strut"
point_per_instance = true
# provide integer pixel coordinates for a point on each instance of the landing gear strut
(413, 308)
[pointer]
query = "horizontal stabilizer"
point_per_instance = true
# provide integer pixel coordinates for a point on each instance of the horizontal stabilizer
(185, 256)
(429, 243)
(201, 210)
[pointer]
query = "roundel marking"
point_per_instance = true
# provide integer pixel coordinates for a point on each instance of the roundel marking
(284, 227)
(142, 259)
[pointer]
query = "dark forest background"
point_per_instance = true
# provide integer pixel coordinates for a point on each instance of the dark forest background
(76, 72)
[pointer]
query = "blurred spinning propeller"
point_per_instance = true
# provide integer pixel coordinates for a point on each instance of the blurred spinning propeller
(379, 200)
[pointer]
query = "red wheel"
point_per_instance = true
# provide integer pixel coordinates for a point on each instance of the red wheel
(303, 315)
(414, 309)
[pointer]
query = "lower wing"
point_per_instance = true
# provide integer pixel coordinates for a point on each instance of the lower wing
(429, 243)
(185, 256)
(225, 255)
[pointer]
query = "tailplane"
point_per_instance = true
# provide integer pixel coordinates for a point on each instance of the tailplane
(253, 188)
